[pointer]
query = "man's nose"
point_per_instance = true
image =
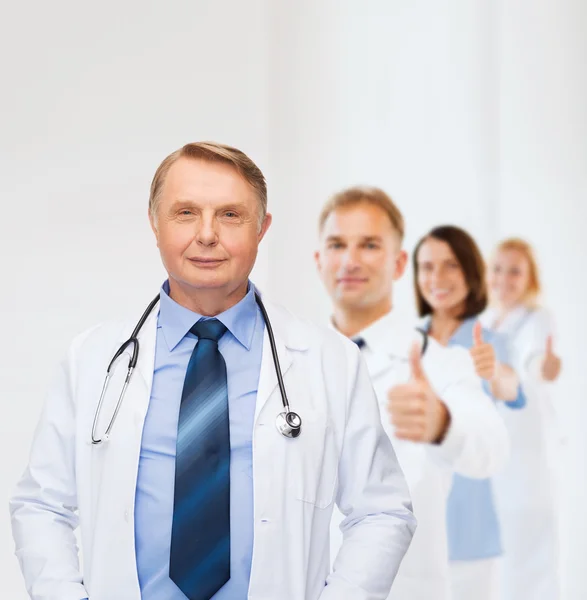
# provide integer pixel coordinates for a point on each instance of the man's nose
(350, 259)
(207, 231)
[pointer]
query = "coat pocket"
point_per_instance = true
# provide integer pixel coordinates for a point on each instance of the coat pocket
(312, 461)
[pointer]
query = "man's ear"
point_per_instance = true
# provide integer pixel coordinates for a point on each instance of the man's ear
(401, 262)
(264, 226)
(153, 222)
(317, 260)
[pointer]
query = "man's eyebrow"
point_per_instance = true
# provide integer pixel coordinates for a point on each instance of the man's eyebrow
(237, 204)
(363, 238)
(192, 204)
(179, 202)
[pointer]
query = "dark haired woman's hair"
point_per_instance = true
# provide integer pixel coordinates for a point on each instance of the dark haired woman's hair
(471, 262)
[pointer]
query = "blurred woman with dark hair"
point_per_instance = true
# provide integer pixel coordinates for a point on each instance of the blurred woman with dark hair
(526, 490)
(451, 292)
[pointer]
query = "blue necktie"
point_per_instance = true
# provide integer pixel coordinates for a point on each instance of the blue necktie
(360, 342)
(200, 538)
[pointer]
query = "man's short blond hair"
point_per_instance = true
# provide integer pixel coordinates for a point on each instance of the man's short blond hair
(358, 195)
(212, 152)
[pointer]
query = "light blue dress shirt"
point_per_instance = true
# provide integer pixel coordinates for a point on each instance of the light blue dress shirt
(241, 346)
(473, 528)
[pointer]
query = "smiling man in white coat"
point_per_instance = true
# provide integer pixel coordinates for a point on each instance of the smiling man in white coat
(432, 404)
(191, 491)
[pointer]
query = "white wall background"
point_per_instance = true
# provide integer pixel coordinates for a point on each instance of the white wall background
(471, 112)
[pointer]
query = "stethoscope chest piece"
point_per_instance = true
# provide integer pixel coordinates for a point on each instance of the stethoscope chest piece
(289, 424)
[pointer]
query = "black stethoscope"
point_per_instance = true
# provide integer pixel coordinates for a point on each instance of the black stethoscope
(288, 423)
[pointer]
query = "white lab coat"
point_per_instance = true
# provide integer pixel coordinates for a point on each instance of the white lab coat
(476, 445)
(342, 455)
(525, 491)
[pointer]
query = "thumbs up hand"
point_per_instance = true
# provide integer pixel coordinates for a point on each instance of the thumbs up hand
(416, 412)
(483, 355)
(551, 363)
(416, 369)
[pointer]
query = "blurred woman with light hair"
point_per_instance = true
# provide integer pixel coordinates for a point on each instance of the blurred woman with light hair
(526, 490)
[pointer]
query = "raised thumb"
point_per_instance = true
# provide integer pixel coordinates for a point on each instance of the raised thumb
(477, 334)
(416, 363)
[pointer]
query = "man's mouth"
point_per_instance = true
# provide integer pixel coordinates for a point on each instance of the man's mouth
(206, 261)
(351, 280)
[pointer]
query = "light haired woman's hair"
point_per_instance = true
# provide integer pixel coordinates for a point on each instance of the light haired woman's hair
(212, 152)
(354, 196)
(532, 294)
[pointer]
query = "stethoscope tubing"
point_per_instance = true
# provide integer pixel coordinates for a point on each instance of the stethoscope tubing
(288, 423)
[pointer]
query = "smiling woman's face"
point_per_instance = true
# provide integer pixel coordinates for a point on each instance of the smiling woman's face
(440, 278)
(509, 277)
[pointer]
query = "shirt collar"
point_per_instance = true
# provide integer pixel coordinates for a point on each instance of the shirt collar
(509, 322)
(176, 321)
(392, 334)
(463, 335)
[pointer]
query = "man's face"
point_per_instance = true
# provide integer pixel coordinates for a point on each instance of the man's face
(360, 256)
(207, 226)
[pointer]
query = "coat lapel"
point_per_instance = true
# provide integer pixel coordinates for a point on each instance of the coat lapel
(287, 342)
(114, 467)
(378, 363)
(268, 377)
(388, 341)
(146, 362)
(136, 401)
